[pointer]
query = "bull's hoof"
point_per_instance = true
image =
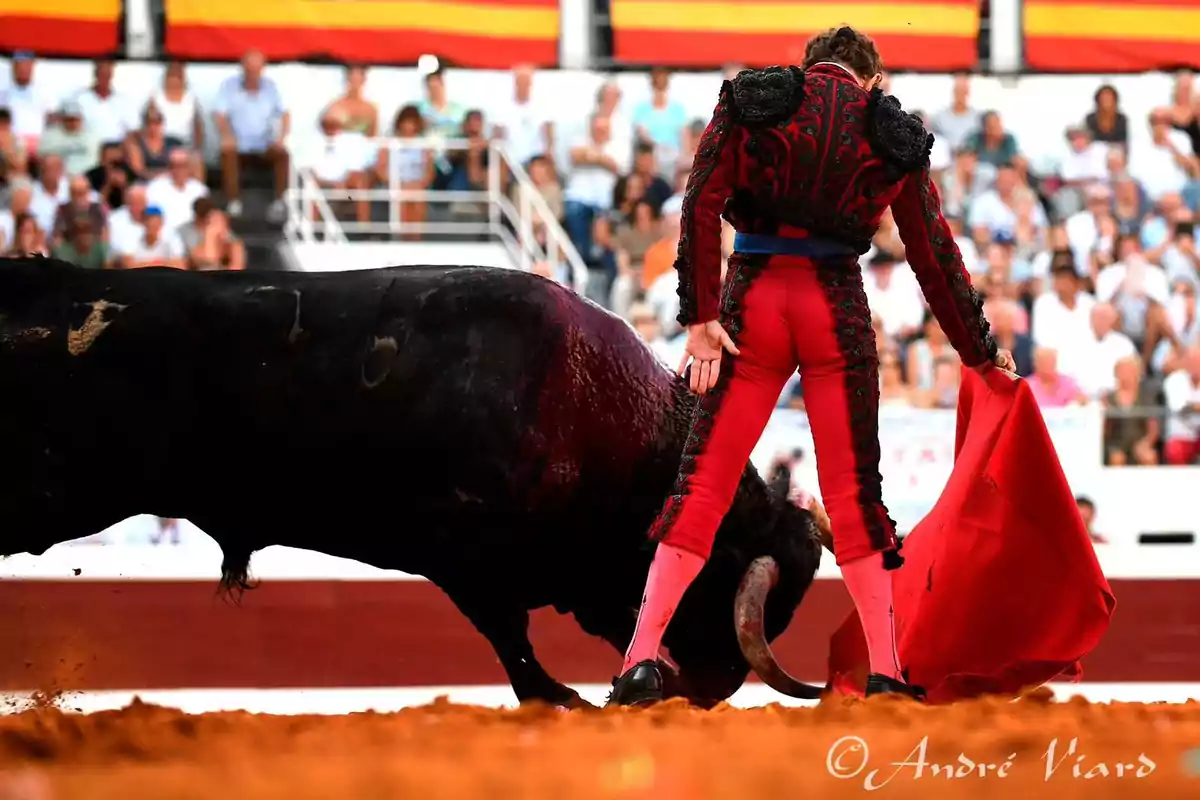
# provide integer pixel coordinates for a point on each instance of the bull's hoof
(882, 684)
(640, 686)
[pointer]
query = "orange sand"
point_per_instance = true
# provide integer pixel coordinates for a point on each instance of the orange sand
(667, 753)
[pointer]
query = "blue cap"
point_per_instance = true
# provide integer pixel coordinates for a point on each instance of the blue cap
(23, 55)
(152, 211)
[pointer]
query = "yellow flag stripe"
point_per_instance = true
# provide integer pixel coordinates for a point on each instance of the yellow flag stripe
(88, 10)
(1128, 23)
(915, 19)
(473, 19)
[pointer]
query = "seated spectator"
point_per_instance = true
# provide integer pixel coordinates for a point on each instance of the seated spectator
(28, 239)
(1007, 208)
(943, 393)
(413, 169)
(1087, 510)
(955, 124)
(339, 160)
(1003, 313)
(545, 183)
(358, 114)
(1185, 322)
(208, 242)
(148, 149)
(893, 391)
(1062, 317)
(660, 281)
(1131, 433)
(661, 120)
(468, 171)
(632, 242)
(645, 166)
(964, 182)
(183, 119)
(443, 117)
(1052, 389)
(1106, 122)
(80, 204)
(126, 225)
(1085, 162)
(1129, 207)
(1182, 391)
(82, 246)
(893, 293)
(253, 125)
(1180, 259)
(112, 177)
(50, 191)
(1084, 228)
(1165, 164)
(1094, 365)
(156, 247)
(13, 158)
(20, 195)
(590, 184)
(1184, 110)
(1140, 292)
(28, 101)
(991, 143)
(523, 123)
(176, 191)
(924, 353)
(107, 114)
(645, 322)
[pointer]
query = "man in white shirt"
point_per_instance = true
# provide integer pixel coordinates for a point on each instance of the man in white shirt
(30, 104)
(126, 225)
(51, 190)
(893, 295)
(20, 196)
(1093, 364)
(595, 165)
(956, 123)
(1083, 227)
(176, 191)
(339, 159)
(1085, 160)
(1166, 163)
(156, 247)
(1182, 391)
(1135, 287)
(998, 209)
(70, 139)
(108, 115)
(522, 124)
(1061, 317)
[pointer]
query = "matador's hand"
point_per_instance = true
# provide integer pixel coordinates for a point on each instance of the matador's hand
(704, 345)
(1004, 360)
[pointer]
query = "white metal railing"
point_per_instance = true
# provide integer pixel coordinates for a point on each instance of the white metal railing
(514, 223)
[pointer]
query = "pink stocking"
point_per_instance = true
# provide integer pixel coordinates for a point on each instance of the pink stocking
(671, 573)
(871, 587)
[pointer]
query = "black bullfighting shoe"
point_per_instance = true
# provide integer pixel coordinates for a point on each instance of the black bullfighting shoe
(882, 684)
(642, 685)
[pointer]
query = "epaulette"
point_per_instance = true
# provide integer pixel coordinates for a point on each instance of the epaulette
(899, 138)
(767, 96)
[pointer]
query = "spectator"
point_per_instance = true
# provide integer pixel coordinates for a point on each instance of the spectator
(13, 160)
(608, 105)
(20, 196)
(1094, 367)
(79, 204)
(81, 246)
(955, 124)
(545, 183)
(1165, 164)
(645, 322)
(1050, 387)
(413, 169)
(27, 239)
(1131, 436)
(468, 171)
(1085, 162)
(1007, 208)
(925, 352)
(1061, 318)
(208, 242)
(1180, 260)
(943, 393)
(523, 125)
(661, 120)
(107, 115)
(69, 140)
(112, 177)
(28, 103)
(992, 143)
(589, 189)
(127, 225)
(1087, 511)
(176, 191)
(148, 149)
(893, 391)
(659, 278)
(254, 125)
(443, 118)
(358, 114)
(1129, 208)
(1185, 109)
(51, 190)
(1083, 227)
(632, 242)
(1106, 122)
(894, 295)
(1182, 391)
(1002, 313)
(964, 182)
(1185, 322)
(183, 119)
(156, 247)
(645, 165)
(339, 160)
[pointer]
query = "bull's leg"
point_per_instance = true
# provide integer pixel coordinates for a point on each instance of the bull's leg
(507, 629)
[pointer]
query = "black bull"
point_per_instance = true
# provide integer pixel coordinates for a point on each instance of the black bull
(486, 429)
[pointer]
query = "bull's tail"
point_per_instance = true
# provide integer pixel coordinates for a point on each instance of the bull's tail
(235, 575)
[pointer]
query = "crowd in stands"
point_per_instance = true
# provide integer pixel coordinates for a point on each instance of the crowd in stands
(1090, 269)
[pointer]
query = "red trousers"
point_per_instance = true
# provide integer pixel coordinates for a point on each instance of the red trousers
(787, 313)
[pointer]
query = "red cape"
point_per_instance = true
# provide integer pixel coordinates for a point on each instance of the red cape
(1000, 589)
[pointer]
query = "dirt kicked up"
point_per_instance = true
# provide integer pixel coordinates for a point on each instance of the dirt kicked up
(844, 748)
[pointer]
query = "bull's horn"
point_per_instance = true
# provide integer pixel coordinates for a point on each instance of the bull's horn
(748, 611)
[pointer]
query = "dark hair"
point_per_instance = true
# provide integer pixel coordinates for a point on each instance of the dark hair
(1109, 88)
(5, 115)
(202, 207)
(846, 46)
(409, 112)
(643, 148)
(1084, 500)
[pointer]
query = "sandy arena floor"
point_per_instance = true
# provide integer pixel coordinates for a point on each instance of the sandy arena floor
(841, 749)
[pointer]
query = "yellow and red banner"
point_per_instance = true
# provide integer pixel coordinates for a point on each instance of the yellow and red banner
(1111, 35)
(482, 34)
(918, 35)
(61, 28)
